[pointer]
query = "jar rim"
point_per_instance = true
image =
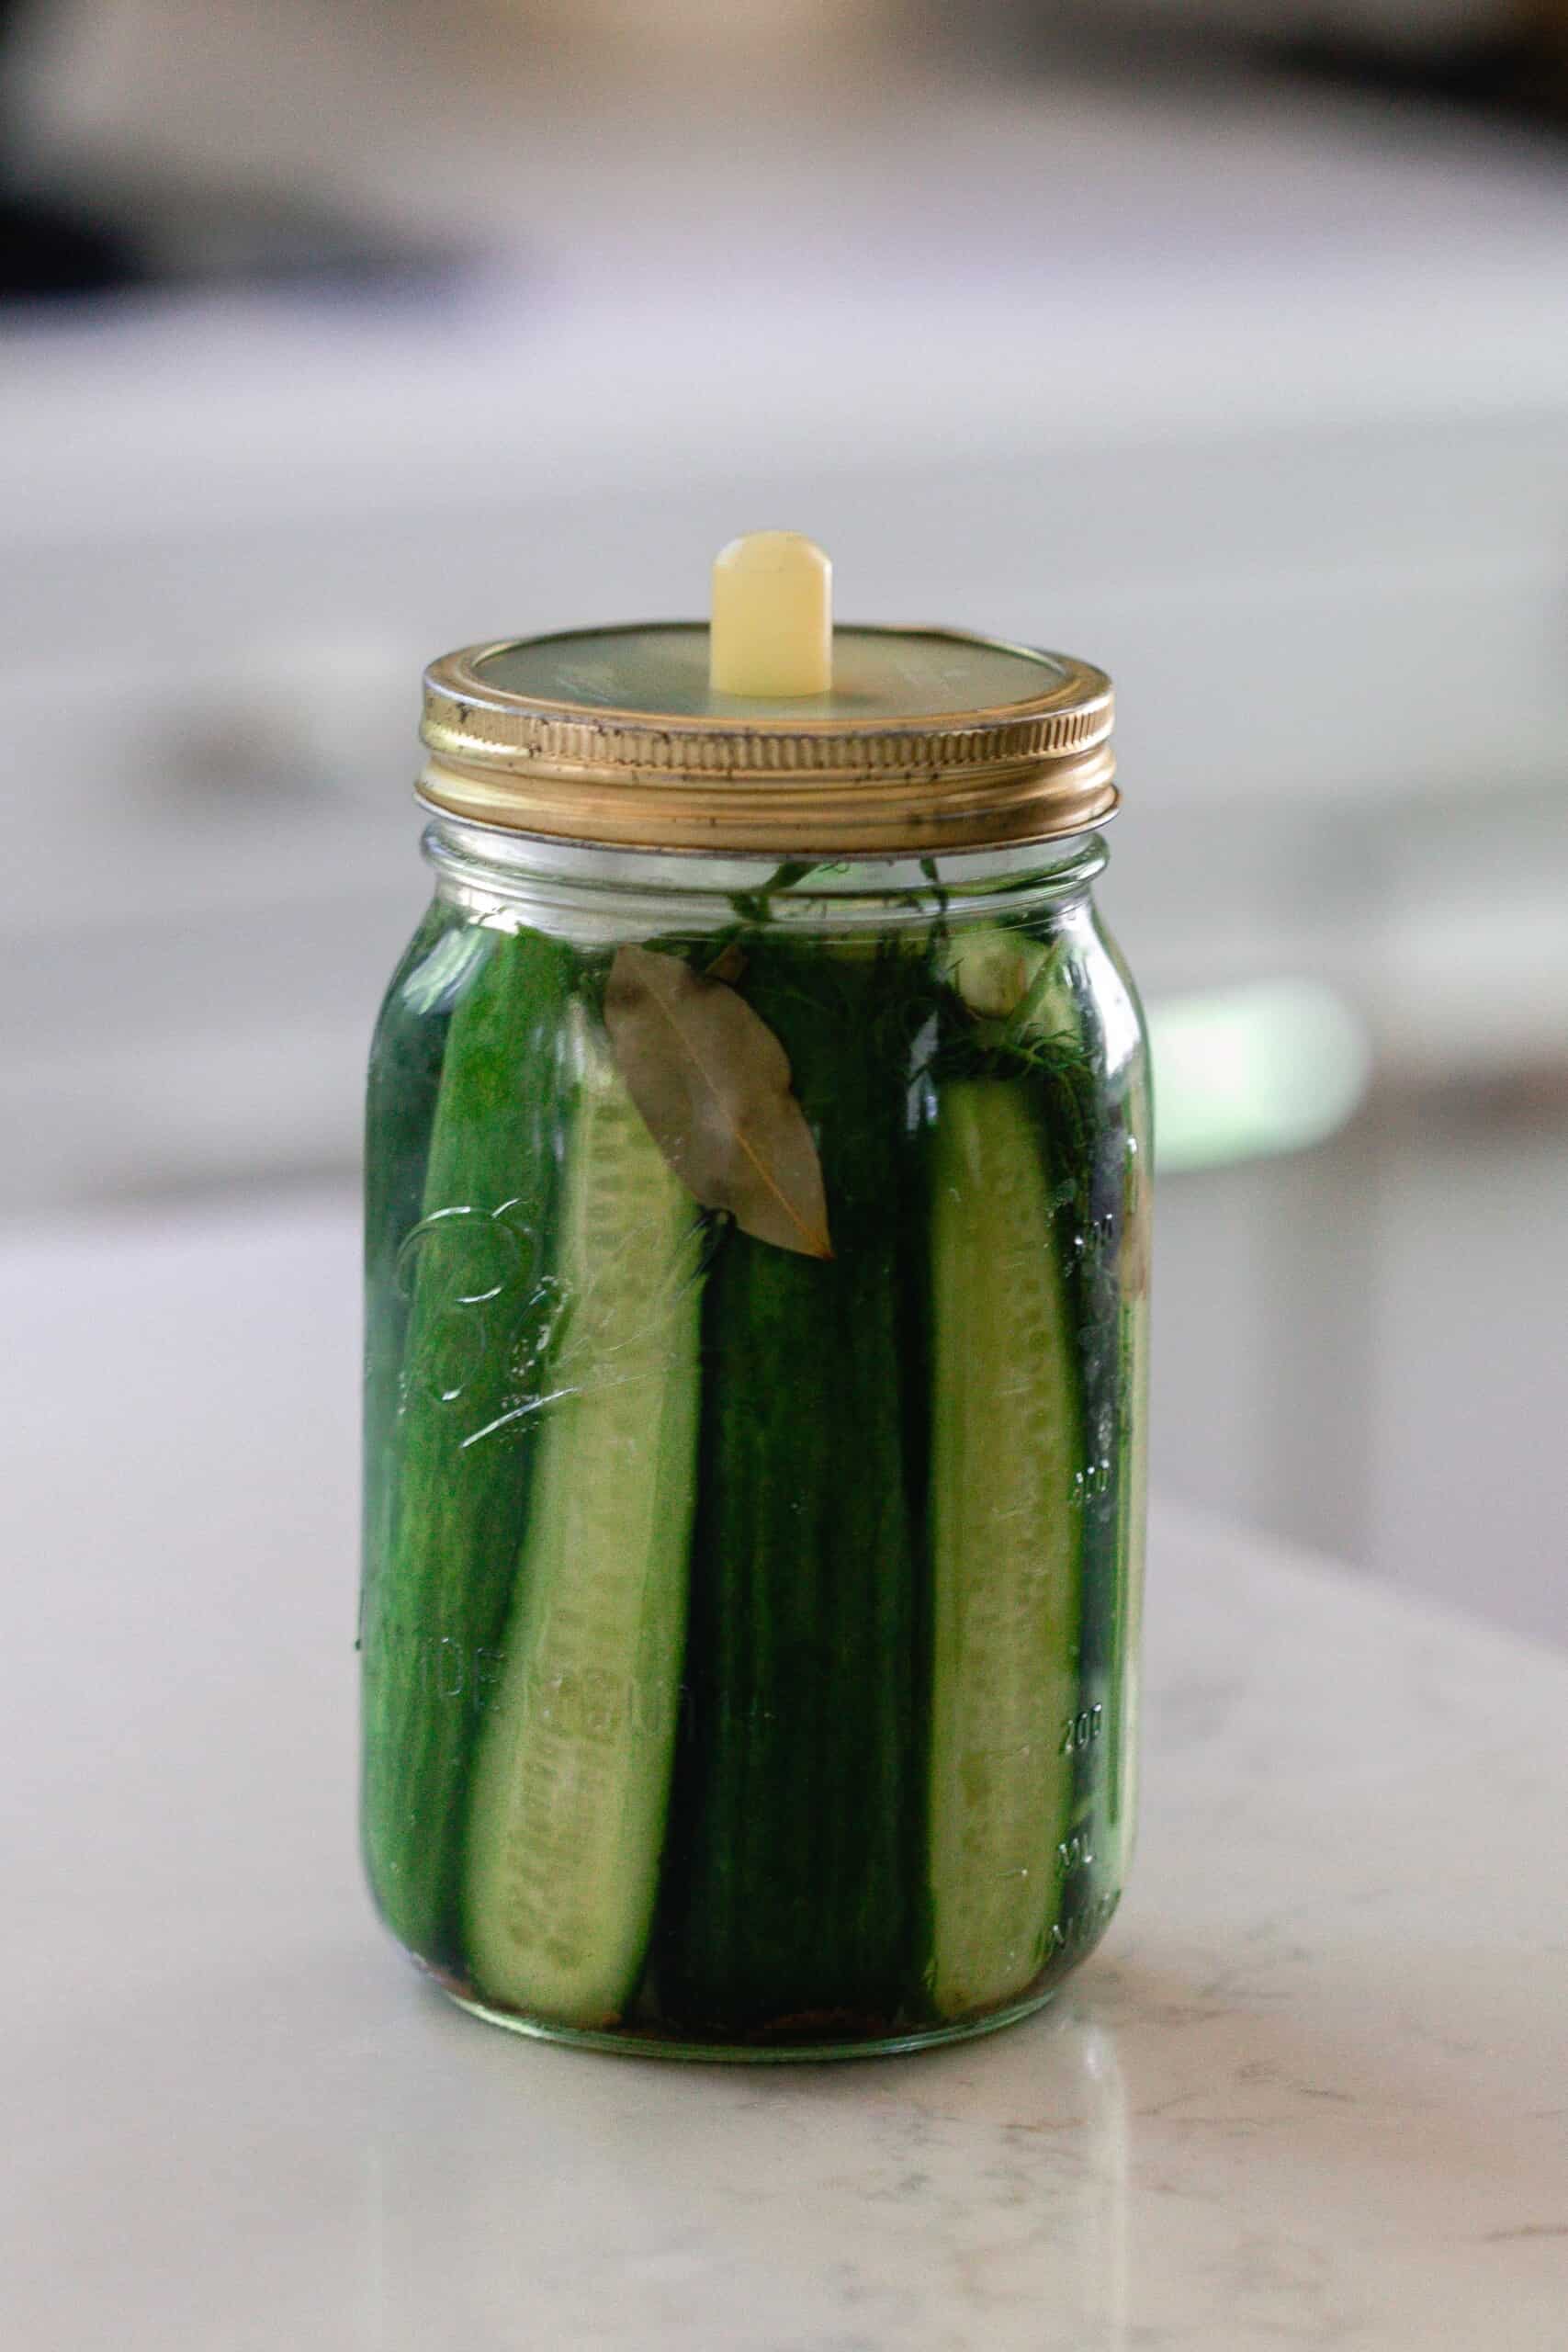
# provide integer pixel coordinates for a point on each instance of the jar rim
(594, 892)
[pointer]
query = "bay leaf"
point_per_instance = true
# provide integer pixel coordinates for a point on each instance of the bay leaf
(712, 1085)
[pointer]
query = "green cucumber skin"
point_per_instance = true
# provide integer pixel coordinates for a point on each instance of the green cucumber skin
(1090, 1227)
(399, 1108)
(478, 1324)
(1093, 1107)
(1134, 1096)
(1132, 1535)
(1111, 1113)
(792, 1902)
(570, 1778)
(1007, 1466)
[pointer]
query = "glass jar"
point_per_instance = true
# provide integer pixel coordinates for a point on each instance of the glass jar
(756, 1258)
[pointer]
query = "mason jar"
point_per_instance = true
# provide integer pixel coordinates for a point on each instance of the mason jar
(757, 1248)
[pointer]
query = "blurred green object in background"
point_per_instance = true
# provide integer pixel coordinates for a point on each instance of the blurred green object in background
(1241, 1073)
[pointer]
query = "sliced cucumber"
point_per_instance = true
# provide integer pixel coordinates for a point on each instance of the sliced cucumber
(572, 1774)
(1039, 1009)
(1006, 1455)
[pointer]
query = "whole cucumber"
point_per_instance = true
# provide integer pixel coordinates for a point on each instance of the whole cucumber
(480, 1327)
(400, 1094)
(792, 1903)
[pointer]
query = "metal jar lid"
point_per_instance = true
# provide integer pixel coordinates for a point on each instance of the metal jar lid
(926, 741)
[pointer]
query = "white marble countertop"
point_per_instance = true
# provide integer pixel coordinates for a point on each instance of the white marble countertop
(1314, 2090)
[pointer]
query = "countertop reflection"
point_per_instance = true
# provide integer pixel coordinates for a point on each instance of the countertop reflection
(1312, 2089)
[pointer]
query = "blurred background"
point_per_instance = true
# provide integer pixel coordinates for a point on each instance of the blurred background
(1223, 341)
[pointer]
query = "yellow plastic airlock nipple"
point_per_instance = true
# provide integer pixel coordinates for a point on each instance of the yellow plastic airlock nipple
(772, 628)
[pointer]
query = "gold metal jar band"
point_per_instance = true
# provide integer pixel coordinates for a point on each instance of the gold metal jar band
(1032, 770)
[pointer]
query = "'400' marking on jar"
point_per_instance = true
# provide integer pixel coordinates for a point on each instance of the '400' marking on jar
(1099, 1238)
(1096, 1478)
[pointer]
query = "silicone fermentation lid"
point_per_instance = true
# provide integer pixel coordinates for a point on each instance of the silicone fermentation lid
(769, 730)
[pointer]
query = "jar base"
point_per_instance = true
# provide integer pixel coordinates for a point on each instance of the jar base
(629, 2044)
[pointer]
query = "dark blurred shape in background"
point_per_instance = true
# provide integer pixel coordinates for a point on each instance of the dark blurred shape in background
(1510, 56)
(1225, 340)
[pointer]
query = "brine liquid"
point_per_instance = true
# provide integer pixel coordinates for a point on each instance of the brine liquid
(802, 1858)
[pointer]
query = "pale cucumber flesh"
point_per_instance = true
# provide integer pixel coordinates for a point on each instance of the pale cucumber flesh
(1006, 1444)
(573, 1772)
